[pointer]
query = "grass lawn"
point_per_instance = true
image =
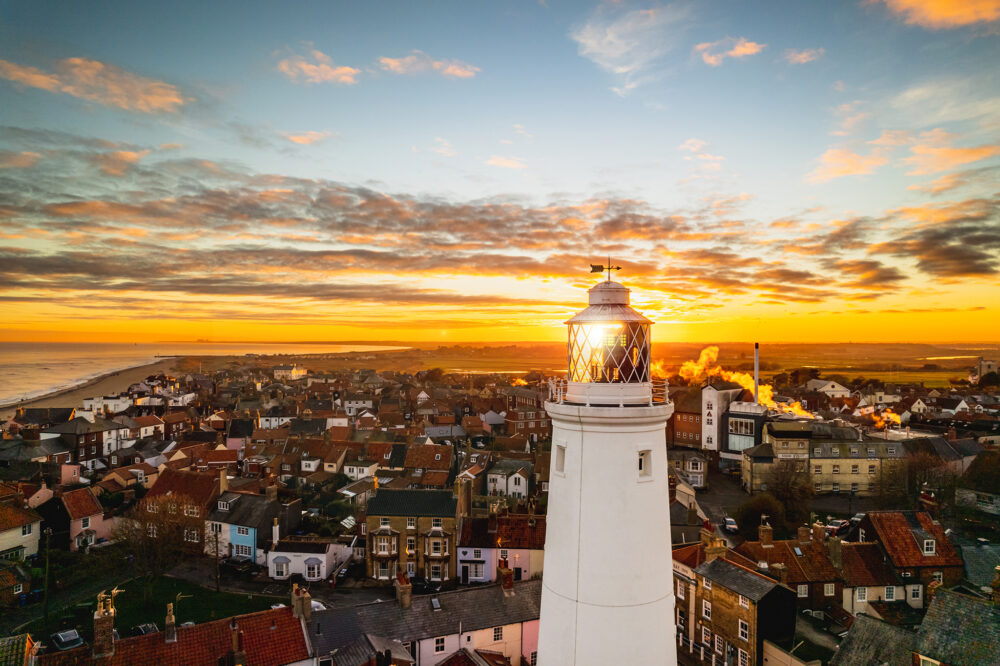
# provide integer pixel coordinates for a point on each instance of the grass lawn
(197, 605)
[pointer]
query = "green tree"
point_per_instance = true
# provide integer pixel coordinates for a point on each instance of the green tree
(990, 379)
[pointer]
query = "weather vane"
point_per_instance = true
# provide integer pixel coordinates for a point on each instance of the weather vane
(598, 268)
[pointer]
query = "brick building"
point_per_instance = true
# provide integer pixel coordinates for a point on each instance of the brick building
(412, 531)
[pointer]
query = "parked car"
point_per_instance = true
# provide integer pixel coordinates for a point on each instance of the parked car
(421, 586)
(66, 640)
(729, 525)
(239, 565)
(837, 527)
(857, 518)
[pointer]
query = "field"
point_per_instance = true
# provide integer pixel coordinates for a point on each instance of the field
(196, 604)
(932, 364)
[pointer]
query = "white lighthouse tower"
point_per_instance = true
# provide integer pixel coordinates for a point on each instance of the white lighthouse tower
(607, 591)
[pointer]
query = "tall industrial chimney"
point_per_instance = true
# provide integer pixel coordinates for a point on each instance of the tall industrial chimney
(756, 370)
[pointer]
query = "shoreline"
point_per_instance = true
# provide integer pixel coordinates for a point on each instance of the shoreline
(105, 384)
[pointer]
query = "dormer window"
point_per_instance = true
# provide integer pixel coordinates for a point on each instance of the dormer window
(930, 547)
(223, 506)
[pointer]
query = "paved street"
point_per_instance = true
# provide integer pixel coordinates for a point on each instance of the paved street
(202, 572)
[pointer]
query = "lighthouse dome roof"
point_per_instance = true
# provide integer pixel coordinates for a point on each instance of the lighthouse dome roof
(609, 302)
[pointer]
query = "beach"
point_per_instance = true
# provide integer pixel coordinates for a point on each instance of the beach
(107, 384)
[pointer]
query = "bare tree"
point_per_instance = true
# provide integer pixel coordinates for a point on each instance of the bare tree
(159, 531)
(789, 482)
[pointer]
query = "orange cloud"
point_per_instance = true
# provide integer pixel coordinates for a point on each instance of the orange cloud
(943, 14)
(802, 56)
(119, 161)
(713, 53)
(839, 162)
(307, 138)
(22, 160)
(418, 61)
(99, 82)
(507, 162)
(319, 70)
(935, 153)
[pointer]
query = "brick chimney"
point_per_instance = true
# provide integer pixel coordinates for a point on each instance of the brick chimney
(805, 534)
(271, 492)
(275, 533)
(104, 627)
(506, 576)
(835, 549)
(672, 488)
(951, 435)
(765, 535)
(223, 481)
(301, 602)
(236, 656)
(404, 590)
(781, 571)
(170, 626)
(692, 517)
(715, 549)
(819, 532)
(932, 588)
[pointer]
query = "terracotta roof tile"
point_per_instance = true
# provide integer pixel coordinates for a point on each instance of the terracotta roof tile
(81, 503)
(899, 535)
(429, 456)
(270, 638)
(202, 488)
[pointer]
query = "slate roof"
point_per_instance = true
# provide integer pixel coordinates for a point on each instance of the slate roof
(980, 563)
(959, 630)
(872, 642)
(81, 503)
(736, 578)
(363, 650)
(248, 511)
(474, 608)
(433, 503)
(270, 638)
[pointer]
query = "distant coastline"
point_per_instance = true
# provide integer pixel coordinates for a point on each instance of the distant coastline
(108, 383)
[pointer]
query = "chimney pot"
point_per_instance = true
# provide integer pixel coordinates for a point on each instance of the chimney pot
(819, 532)
(765, 534)
(835, 548)
(170, 626)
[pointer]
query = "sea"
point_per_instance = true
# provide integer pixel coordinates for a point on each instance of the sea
(32, 369)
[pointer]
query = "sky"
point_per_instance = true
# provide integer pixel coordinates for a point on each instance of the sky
(772, 171)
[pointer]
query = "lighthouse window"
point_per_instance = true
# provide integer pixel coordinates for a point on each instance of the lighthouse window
(560, 458)
(645, 464)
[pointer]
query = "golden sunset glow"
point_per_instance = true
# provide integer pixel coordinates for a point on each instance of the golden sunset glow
(822, 184)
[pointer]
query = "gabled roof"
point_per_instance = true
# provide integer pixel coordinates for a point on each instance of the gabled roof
(736, 578)
(473, 608)
(247, 510)
(81, 503)
(270, 638)
(812, 566)
(871, 642)
(960, 630)
(428, 456)
(902, 534)
(13, 517)
(433, 503)
(200, 487)
(865, 566)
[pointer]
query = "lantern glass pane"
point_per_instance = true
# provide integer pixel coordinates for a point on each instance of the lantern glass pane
(609, 352)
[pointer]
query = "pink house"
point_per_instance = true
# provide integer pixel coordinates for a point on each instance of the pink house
(69, 473)
(86, 518)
